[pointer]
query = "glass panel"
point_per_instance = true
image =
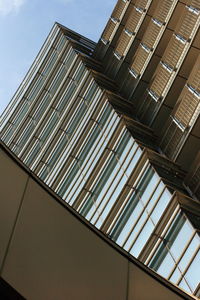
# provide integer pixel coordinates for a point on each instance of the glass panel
(50, 126)
(193, 274)
(36, 88)
(26, 133)
(50, 63)
(166, 266)
(33, 153)
(42, 106)
(149, 188)
(184, 285)
(190, 252)
(181, 240)
(161, 206)
(175, 276)
(159, 189)
(142, 238)
(185, 260)
(121, 227)
(133, 210)
(167, 242)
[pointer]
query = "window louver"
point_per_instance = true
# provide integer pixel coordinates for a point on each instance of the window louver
(109, 31)
(189, 107)
(113, 23)
(119, 9)
(161, 81)
(136, 16)
(151, 36)
(163, 10)
(139, 61)
(187, 23)
(174, 52)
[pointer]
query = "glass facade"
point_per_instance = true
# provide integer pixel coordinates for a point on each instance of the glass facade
(176, 255)
(66, 130)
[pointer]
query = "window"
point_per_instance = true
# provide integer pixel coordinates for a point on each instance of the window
(132, 25)
(189, 101)
(151, 37)
(113, 23)
(177, 254)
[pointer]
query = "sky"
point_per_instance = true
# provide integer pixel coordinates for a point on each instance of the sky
(24, 25)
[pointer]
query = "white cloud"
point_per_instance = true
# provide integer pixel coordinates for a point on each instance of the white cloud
(8, 6)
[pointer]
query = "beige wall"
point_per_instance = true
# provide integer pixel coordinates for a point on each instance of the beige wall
(48, 253)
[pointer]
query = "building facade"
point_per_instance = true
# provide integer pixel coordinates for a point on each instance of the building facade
(114, 130)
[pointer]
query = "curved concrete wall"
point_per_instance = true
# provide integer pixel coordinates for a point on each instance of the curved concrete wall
(49, 252)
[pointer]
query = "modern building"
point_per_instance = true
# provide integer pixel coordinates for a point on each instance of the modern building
(111, 132)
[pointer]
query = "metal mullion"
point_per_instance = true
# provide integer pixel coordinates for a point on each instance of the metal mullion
(107, 190)
(56, 63)
(38, 123)
(71, 142)
(48, 138)
(68, 177)
(109, 200)
(176, 265)
(34, 141)
(119, 210)
(188, 266)
(51, 155)
(149, 213)
(101, 140)
(55, 31)
(81, 125)
(102, 199)
(94, 177)
(124, 198)
(85, 137)
(74, 179)
(60, 121)
(47, 156)
(20, 138)
(63, 174)
(81, 174)
(89, 84)
(37, 134)
(101, 167)
(124, 162)
(113, 137)
(110, 197)
(53, 77)
(97, 207)
(54, 68)
(25, 95)
(148, 217)
(119, 131)
(61, 125)
(34, 112)
(18, 134)
(181, 256)
(163, 233)
(102, 163)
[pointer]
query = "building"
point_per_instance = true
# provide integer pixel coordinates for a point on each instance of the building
(113, 130)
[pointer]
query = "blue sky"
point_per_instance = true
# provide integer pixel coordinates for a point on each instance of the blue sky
(24, 25)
